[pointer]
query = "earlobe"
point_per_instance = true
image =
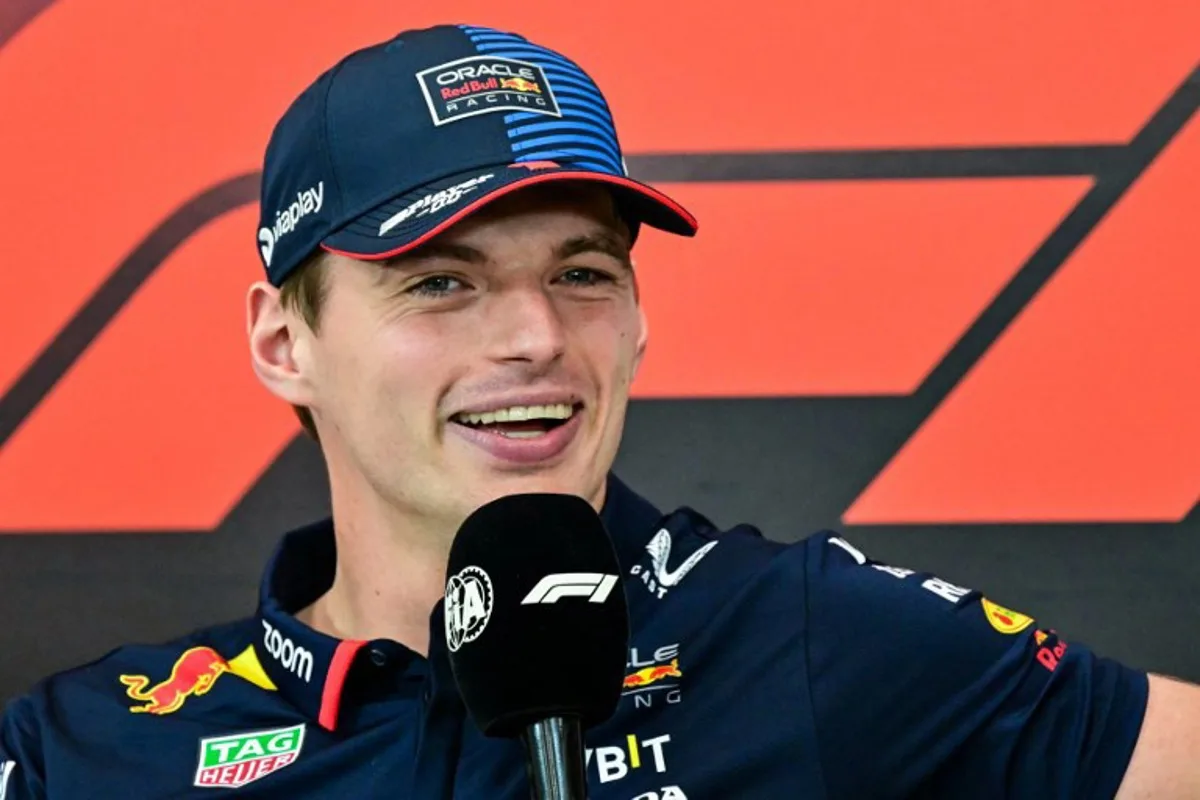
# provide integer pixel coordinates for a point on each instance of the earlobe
(274, 347)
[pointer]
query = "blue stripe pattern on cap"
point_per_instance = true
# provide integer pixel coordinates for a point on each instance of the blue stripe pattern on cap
(583, 136)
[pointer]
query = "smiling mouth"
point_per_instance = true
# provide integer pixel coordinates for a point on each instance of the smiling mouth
(519, 422)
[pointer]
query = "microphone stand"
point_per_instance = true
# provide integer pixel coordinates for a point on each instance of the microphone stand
(554, 756)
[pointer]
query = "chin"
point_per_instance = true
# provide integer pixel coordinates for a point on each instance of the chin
(537, 483)
(487, 490)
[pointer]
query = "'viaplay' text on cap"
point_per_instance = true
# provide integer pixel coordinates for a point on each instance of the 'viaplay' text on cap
(400, 140)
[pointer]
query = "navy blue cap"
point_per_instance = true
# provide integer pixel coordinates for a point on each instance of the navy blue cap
(400, 140)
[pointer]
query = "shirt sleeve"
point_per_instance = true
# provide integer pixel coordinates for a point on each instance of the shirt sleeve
(924, 688)
(20, 758)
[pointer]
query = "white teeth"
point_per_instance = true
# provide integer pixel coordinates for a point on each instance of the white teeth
(523, 434)
(519, 414)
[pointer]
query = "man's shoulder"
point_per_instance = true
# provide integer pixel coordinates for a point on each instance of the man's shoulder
(144, 678)
(718, 560)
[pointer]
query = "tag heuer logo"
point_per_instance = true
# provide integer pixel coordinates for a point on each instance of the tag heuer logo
(239, 758)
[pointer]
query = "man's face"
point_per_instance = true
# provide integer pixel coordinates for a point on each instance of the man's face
(496, 359)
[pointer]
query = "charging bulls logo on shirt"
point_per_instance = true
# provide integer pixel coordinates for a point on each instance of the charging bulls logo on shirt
(193, 675)
(653, 674)
(482, 84)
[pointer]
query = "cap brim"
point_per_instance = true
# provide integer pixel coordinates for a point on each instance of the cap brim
(406, 222)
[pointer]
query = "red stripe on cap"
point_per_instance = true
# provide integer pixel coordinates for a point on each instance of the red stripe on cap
(335, 679)
(474, 205)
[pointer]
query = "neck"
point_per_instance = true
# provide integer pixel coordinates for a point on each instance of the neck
(391, 567)
(390, 573)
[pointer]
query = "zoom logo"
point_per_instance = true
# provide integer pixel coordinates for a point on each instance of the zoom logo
(294, 658)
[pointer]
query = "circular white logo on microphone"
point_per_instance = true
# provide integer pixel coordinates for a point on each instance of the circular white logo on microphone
(468, 606)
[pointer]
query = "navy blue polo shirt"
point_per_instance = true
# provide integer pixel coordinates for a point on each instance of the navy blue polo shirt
(756, 670)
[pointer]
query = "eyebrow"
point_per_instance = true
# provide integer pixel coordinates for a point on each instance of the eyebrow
(438, 249)
(605, 243)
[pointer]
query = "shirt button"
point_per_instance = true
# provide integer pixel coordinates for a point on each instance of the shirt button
(378, 657)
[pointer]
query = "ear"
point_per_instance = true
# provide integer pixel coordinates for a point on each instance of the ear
(279, 345)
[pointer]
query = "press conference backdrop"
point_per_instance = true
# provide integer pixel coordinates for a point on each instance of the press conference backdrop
(944, 296)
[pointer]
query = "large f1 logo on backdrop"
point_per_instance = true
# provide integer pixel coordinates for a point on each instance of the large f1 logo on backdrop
(992, 218)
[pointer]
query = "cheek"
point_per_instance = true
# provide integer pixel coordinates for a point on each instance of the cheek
(628, 326)
(610, 341)
(395, 370)
(412, 365)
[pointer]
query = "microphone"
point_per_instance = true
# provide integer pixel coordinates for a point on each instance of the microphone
(537, 630)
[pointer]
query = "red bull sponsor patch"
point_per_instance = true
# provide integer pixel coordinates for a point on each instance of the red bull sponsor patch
(194, 674)
(1004, 619)
(1050, 649)
(654, 676)
(234, 760)
(483, 84)
(649, 675)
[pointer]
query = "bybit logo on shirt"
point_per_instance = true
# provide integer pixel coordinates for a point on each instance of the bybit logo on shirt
(615, 762)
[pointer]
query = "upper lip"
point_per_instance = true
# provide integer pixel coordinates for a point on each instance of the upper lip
(546, 398)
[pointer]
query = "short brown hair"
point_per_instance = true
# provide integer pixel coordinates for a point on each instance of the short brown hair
(303, 291)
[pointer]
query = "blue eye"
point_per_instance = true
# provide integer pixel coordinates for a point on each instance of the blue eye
(437, 286)
(585, 276)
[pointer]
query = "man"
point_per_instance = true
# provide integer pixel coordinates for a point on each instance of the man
(451, 307)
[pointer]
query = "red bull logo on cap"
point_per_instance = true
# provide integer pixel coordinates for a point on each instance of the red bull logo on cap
(486, 84)
(520, 84)
(193, 674)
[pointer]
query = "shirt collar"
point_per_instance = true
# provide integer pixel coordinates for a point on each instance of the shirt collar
(311, 669)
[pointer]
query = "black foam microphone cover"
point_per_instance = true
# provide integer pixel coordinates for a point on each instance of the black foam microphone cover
(536, 620)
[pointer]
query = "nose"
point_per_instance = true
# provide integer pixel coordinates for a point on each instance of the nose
(525, 326)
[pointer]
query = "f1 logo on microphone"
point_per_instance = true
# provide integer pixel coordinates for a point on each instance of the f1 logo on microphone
(595, 586)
